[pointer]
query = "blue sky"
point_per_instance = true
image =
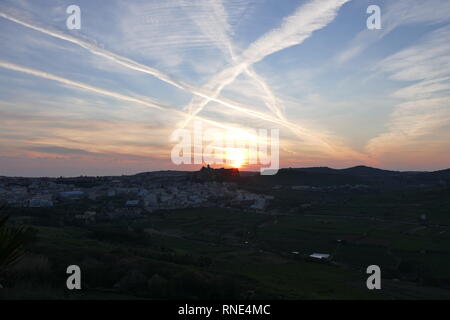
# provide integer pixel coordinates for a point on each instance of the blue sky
(73, 101)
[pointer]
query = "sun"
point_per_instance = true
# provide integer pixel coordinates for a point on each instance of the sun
(236, 157)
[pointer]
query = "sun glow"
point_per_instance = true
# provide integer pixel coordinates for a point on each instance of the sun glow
(236, 157)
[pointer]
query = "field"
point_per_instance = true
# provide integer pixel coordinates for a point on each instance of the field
(214, 253)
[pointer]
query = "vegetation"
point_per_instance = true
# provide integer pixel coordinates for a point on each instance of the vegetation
(219, 253)
(12, 244)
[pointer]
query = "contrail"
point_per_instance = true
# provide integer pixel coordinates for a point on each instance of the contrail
(308, 18)
(115, 95)
(118, 96)
(131, 64)
(327, 10)
(126, 62)
(212, 19)
(122, 97)
(215, 25)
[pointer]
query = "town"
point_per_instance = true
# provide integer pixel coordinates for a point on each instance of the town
(133, 196)
(217, 232)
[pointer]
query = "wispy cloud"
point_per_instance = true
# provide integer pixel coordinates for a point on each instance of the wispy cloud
(394, 15)
(294, 29)
(129, 63)
(214, 23)
(424, 113)
(216, 53)
(312, 16)
(137, 100)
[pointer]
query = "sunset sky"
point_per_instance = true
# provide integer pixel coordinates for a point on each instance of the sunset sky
(105, 99)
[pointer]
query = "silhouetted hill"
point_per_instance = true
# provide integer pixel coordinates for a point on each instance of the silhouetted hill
(315, 170)
(324, 176)
(308, 176)
(443, 175)
(314, 176)
(368, 171)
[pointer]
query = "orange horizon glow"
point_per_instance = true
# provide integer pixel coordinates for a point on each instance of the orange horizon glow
(236, 157)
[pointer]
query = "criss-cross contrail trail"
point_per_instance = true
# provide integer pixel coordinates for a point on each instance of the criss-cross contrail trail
(126, 62)
(141, 101)
(221, 34)
(122, 97)
(213, 22)
(119, 96)
(115, 95)
(131, 64)
(297, 27)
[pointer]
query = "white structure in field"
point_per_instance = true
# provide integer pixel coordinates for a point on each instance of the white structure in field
(40, 203)
(320, 256)
(132, 203)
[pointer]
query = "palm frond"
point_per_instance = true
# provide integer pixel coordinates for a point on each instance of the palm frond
(12, 242)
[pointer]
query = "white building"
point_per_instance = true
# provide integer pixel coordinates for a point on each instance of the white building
(132, 203)
(151, 200)
(40, 203)
(260, 204)
(320, 256)
(72, 195)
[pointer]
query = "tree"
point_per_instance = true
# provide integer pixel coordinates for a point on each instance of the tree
(12, 241)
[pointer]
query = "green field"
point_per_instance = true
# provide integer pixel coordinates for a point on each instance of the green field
(214, 253)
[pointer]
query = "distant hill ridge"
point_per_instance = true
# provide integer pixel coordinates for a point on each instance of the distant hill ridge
(348, 175)
(365, 170)
(358, 170)
(325, 176)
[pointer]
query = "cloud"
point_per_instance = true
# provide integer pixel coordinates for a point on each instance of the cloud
(310, 17)
(394, 15)
(138, 100)
(214, 23)
(423, 115)
(293, 30)
(129, 63)
(60, 150)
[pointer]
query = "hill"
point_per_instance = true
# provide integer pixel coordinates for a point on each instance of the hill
(324, 176)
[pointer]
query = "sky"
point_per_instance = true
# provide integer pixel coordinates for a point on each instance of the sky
(106, 99)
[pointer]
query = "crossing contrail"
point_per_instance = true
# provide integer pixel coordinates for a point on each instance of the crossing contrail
(111, 94)
(212, 19)
(295, 28)
(268, 45)
(131, 64)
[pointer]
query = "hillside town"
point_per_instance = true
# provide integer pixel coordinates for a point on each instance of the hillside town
(133, 195)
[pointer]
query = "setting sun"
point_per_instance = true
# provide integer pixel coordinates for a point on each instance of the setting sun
(236, 157)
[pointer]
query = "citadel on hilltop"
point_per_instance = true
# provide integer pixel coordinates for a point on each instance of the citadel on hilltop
(209, 174)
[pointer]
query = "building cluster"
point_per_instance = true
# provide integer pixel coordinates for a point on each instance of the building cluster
(129, 195)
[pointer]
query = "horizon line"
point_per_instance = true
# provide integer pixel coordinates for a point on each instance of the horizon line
(249, 171)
